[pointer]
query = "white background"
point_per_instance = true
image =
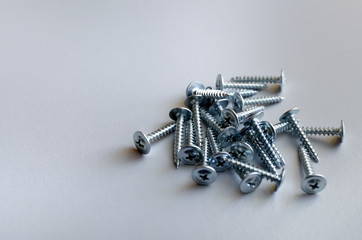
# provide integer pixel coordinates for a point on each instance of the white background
(77, 78)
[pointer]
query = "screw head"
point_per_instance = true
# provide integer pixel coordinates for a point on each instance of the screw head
(279, 183)
(219, 82)
(282, 79)
(176, 112)
(221, 102)
(230, 117)
(192, 86)
(242, 151)
(190, 155)
(341, 130)
(226, 137)
(141, 142)
(285, 116)
(204, 175)
(238, 101)
(218, 161)
(313, 183)
(250, 182)
(190, 100)
(268, 129)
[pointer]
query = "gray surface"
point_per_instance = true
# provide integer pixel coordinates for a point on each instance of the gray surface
(77, 78)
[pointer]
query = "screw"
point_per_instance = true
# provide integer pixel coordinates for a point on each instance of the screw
(190, 154)
(218, 106)
(234, 119)
(246, 93)
(194, 102)
(204, 174)
(262, 79)
(311, 183)
(326, 131)
(143, 142)
(249, 181)
(217, 160)
(288, 116)
(225, 135)
(221, 85)
(277, 179)
(241, 151)
(180, 115)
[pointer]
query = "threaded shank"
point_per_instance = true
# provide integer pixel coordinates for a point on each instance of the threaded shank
(197, 123)
(267, 100)
(243, 93)
(254, 86)
(210, 121)
(305, 161)
(281, 127)
(329, 131)
(259, 79)
(211, 93)
(161, 132)
(263, 156)
(206, 151)
(241, 116)
(179, 138)
(212, 141)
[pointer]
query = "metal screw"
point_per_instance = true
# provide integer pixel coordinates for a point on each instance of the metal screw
(218, 106)
(234, 119)
(180, 115)
(288, 116)
(217, 159)
(311, 183)
(221, 84)
(194, 102)
(249, 181)
(143, 142)
(241, 151)
(262, 79)
(246, 93)
(277, 179)
(190, 154)
(225, 135)
(204, 174)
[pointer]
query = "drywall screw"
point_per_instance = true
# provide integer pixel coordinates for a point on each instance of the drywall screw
(203, 173)
(262, 79)
(180, 115)
(311, 183)
(288, 116)
(241, 151)
(221, 84)
(225, 135)
(249, 181)
(143, 142)
(276, 178)
(193, 102)
(234, 119)
(190, 154)
(217, 159)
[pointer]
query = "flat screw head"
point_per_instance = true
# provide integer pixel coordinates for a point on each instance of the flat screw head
(313, 183)
(279, 183)
(242, 151)
(238, 101)
(282, 79)
(230, 117)
(190, 155)
(285, 116)
(226, 137)
(204, 175)
(176, 112)
(219, 82)
(341, 131)
(250, 182)
(141, 142)
(219, 161)
(192, 86)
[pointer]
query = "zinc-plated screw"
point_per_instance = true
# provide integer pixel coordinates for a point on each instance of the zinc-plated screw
(221, 84)
(278, 179)
(234, 119)
(311, 183)
(224, 135)
(180, 115)
(217, 159)
(203, 173)
(190, 154)
(241, 151)
(288, 116)
(262, 79)
(143, 142)
(249, 180)
(193, 102)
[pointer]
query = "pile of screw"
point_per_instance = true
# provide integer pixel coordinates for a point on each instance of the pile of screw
(221, 129)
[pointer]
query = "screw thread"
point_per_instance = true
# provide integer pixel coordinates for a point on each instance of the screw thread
(281, 127)
(211, 93)
(197, 123)
(303, 138)
(205, 158)
(189, 133)
(242, 115)
(305, 161)
(280, 162)
(267, 100)
(210, 121)
(179, 138)
(212, 141)
(321, 131)
(161, 132)
(253, 86)
(244, 93)
(259, 79)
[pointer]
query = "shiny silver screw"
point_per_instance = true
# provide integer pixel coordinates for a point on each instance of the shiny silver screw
(203, 173)
(143, 142)
(218, 106)
(234, 119)
(221, 84)
(193, 102)
(262, 79)
(217, 159)
(241, 151)
(288, 116)
(312, 183)
(249, 180)
(190, 154)
(180, 115)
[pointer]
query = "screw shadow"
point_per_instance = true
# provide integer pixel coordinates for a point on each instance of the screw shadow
(128, 154)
